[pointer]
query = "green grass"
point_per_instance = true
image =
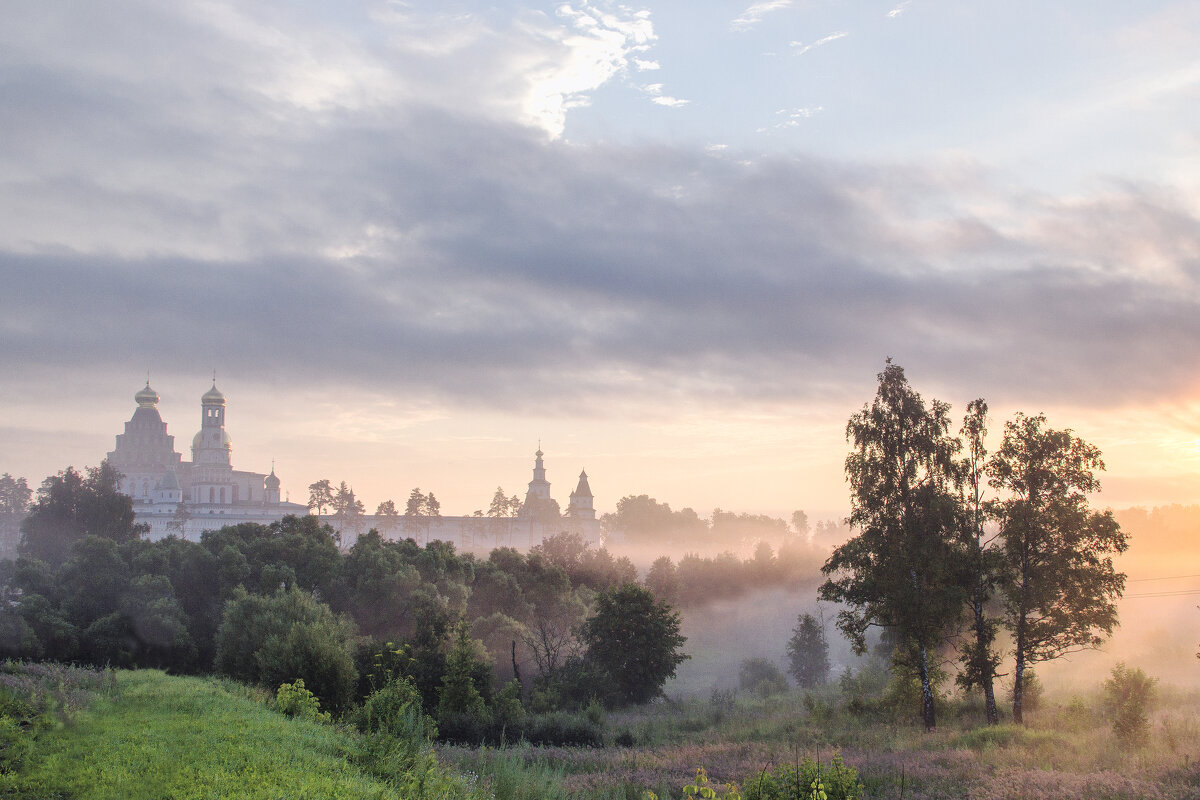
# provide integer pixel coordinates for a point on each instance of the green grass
(185, 738)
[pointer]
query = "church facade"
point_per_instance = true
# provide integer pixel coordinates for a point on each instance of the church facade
(186, 498)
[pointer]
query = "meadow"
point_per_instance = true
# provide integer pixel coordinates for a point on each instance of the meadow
(1066, 749)
(78, 733)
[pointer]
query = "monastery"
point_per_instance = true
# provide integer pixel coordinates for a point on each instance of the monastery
(186, 498)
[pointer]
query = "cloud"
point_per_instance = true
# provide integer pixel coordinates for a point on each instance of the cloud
(899, 9)
(801, 48)
(646, 65)
(755, 12)
(408, 244)
(792, 118)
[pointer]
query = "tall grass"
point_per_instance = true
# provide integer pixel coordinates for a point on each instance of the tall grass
(191, 738)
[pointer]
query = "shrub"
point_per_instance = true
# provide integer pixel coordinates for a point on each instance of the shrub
(1128, 695)
(507, 713)
(289, 635)
(808, 779)
(294, 700)
(1031, 694)
(395, 711)
(760, 676)
(560, 729)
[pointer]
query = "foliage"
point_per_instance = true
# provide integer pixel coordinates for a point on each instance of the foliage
(320, 496)
(702, 788)
(762, 677)
(635, 639)
(293, 700)
(977, 655)
(663, 580)
(1128, 695)
(288, 635)
(1058, 581)
(808, 652)
(902, 569)
(808, 780)
(459, 695)
(71, 506)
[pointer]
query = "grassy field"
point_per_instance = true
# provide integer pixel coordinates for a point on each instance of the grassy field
(148, 735)
(1067, 750)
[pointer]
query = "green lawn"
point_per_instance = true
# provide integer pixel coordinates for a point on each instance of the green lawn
(176, 737)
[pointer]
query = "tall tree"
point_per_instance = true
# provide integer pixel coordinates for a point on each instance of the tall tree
(901, 570)
(432, 507)
(636, 640)
(71, 506)
(808, 652)
(1059, 584)
(14, 504)
(414, 511)
(979, 660)
(320, 496)
(415, 506)
(500, 506)
(14, 496)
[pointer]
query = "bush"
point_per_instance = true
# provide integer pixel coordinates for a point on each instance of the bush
(1031, 694)
(395, 711)
(838, 781)
(760, 676)
(560, 729)
(294, 700)
(289, 635)
(1128, 695)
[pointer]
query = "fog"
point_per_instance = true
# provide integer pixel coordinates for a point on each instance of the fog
(1159, 628)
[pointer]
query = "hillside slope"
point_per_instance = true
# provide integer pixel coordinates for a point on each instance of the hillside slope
(163, 736)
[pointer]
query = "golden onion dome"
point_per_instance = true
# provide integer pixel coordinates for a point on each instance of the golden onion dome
(147, 397)
(213, 397)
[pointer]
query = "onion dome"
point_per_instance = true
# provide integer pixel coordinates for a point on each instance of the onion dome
(147, 397)
(272, 481)
(213, 397)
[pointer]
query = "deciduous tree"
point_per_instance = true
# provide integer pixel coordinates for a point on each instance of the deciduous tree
(1058, 581)
(635, 639)
(902, 570)
(979, 659)
(71, 506)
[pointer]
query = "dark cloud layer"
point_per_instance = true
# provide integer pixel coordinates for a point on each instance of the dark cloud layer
(411, 248)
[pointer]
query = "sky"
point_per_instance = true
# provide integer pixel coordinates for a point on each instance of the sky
(671, 242)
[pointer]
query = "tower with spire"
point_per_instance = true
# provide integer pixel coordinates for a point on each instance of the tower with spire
(187, 497)
(212, 453)
(581, 500)
(538, 493)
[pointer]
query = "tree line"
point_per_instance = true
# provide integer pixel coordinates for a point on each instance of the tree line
(272, 603)
(935, 561)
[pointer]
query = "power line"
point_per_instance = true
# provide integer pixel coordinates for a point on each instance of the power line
(1163, 578)
(1180, 593)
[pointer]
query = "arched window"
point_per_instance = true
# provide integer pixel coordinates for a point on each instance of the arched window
(211, 494)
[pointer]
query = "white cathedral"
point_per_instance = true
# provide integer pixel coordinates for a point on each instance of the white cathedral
(182, 498)
(186, 498)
